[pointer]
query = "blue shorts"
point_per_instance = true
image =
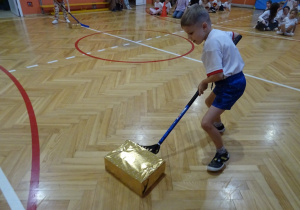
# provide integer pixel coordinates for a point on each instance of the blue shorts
(229, 90)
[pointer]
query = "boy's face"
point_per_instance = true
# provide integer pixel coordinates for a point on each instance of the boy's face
(285, 11)
(268, 4)
(292, 14)
(197, 33)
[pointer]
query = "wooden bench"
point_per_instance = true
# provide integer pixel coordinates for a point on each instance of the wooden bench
(79, 5)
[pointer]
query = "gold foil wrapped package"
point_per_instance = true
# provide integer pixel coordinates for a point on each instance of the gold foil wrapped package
(135, 166)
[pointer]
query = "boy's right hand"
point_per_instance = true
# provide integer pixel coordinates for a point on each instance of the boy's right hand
(202, 87)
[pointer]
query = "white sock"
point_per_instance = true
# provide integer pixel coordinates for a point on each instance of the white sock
(222, 150)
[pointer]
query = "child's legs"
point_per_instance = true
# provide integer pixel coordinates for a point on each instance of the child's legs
(208, 101)
(294, 28)
(179, 14)
(56, 10)
(274, 25)
(153, 11)
(289, 29)
(175, 14)
(62, 4)
(207, 125)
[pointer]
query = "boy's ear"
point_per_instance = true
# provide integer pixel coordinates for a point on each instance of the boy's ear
(204, 25)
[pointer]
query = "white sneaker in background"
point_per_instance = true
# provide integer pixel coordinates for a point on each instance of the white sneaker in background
(288, 34)
(55, 21)
(67, 20)
(279, 32)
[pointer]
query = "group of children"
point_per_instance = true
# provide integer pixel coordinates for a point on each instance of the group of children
(181, 5)
(282, 17)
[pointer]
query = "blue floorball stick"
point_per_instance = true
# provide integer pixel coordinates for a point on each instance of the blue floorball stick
(83, 25)
(155, 148)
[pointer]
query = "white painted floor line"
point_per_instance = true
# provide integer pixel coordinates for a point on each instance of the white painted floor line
(28, 67)
(89, 53)
(138, 41)
(101, 50)
(149, 39)
(70, 57)
(9, 193)
(157, 37)
(251, 32)
(126, 44)
(114, 47)
(53, 61)
(12, 70)
(275, 83)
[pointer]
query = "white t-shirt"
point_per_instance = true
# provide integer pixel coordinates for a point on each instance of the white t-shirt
(280, 16)
(168, 6)
(227, 5)
(221, 55)
(207, 6)
(289, 22)
(158, 5)
(290, 3)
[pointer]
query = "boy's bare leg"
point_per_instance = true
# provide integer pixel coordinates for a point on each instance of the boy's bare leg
(207, 124)
(283, 28)
(289, 29)
(208, 101)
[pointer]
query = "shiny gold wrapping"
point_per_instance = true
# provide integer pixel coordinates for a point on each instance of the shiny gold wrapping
(135, 166)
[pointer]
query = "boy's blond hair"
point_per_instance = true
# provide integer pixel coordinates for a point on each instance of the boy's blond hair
(195, 14)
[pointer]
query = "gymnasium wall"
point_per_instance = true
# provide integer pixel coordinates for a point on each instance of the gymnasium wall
(33, 9)
(35, 6)
(245, 2)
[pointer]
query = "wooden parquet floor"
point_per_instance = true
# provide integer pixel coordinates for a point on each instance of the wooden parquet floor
(86, 105)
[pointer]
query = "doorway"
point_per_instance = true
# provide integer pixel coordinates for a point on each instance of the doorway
(9, 8)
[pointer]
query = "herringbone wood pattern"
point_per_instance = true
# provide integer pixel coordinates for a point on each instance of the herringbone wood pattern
(86, 107)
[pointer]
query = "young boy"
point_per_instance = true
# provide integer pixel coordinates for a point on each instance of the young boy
(224, 65)
(59, 4)
(281, 14)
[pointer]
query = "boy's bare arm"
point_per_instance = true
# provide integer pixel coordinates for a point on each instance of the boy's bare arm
(213, 78)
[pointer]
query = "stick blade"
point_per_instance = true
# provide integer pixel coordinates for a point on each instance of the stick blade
(83, 25)
(153, 148)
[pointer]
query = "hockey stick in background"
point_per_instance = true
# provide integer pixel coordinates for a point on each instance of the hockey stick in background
(155, 148)
(83, 25)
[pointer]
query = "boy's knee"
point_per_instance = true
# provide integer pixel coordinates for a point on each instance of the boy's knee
(206, 125)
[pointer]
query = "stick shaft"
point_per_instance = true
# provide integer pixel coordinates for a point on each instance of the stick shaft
(178, 118)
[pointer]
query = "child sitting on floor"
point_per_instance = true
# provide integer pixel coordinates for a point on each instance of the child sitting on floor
(289, 24)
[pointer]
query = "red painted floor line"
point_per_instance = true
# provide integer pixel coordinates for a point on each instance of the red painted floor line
(35, 164)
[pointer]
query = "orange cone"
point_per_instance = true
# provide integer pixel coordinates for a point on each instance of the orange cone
(164, 11)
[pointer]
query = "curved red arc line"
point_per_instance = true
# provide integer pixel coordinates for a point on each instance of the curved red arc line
(35, 164)
(77, 47)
